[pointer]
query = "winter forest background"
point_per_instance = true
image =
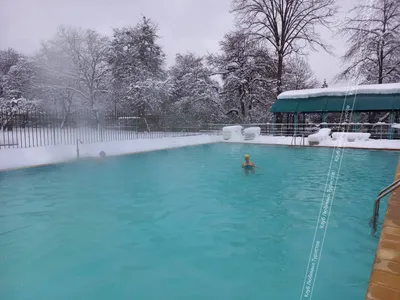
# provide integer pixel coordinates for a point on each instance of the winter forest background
(264, 55)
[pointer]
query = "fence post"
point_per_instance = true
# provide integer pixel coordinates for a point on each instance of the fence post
(355, 120)
(54, 127)
(391, 121)
(273, 123)
(323, 119)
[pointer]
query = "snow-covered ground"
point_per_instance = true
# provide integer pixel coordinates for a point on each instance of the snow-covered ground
(27, 157)
(287, 140)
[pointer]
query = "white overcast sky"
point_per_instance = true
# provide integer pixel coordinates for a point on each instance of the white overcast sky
(185, 25)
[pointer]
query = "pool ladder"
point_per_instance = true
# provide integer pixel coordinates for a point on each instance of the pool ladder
(77, 147)
(387, 190)
(294, 140)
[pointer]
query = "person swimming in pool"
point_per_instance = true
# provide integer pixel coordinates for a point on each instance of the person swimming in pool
(248, 165)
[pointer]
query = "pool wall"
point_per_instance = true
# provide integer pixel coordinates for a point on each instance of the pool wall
(17, 158)
(11, 159)
(384, 282)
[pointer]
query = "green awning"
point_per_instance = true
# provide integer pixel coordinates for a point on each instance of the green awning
(375, 102)
(340, 103)
(290, 105)
(311, 104)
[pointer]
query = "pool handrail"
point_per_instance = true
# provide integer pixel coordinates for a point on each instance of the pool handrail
(294, 139)
(77, 147)
(384, 192)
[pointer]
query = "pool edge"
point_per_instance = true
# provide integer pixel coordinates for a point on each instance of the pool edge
(180, 146)
(308, 146)
(384, 281)
(67, 161)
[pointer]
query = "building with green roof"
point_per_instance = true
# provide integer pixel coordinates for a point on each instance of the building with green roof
(378, 98)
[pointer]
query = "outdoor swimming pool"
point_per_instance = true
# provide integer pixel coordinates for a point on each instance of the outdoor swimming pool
(188, 224)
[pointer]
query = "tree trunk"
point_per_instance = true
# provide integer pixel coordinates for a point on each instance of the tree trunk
(242, 104)
(242, 109)
(279, 74)
(380, 69)
(278, 117)
(63, 121)
(67, 111)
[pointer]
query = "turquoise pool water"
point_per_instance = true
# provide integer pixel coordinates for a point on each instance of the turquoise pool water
(188, 224)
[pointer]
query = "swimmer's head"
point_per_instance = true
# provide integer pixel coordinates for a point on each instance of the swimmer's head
(102, 154)
(247, 157)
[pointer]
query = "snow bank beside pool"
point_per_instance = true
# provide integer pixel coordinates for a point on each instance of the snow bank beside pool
(368, 144)
(351, 136)
(317, 138)
(28, 157)
(251, 133)
(287, 140)
(233, 133)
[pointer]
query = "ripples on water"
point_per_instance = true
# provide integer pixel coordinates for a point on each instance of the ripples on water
(188, 224)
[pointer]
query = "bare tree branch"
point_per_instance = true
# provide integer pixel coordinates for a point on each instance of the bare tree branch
(287, 25)
(373, 36)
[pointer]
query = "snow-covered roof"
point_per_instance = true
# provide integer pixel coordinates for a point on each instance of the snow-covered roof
(390, 88)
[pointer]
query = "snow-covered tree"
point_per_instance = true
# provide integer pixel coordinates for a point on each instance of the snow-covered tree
(324, 85)
(75, 65)
(373, 39)
(18, 75)
(194, 95)
(137, 63)
(8, 58)
(58, 81)
(298, 75)
(286, 25)
(18, 88)
(248, 73)
(19, 80)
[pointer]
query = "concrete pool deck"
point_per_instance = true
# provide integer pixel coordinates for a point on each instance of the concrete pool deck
(384, 282)
(391, 145)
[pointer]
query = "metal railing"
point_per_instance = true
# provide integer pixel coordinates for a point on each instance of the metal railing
(377, 130)
(26, 129)
(293, 142)
(387, 190)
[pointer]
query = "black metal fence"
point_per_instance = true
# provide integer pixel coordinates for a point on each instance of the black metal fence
(25, 129)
